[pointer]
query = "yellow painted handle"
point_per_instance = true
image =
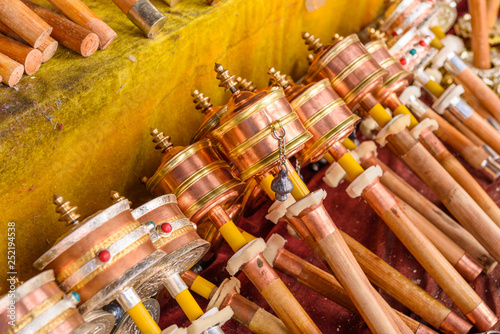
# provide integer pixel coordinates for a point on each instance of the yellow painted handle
(436, 43)
(248, 237)
(232, 235)
(189, 305)
(438, 32)
(143, 320)
(300, 189)
(266, 186)
(202, 287)
(402, 110)
(380, 115)
(351, 166)
(349, 144)
(434, 88)
(328, 157)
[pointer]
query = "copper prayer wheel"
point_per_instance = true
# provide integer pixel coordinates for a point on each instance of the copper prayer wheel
(352, 70)
(323, 113)
(397, 78)
(104, 254)
(196, 175)
(246, 131)
(405, 14)
(413, 49)
(212, 118)
(40, 306)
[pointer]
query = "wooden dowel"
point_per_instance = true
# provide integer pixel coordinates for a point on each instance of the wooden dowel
(492, 11)
(69, 34)
(48, 49)
(483, 130)
(475, 103)
(435, 215)
(9, 32)
(453, 120)
(79, 13)
(29, 26)
(451, 194)
(480, 34)
(466, 266)
(30, 58)
(10, 70)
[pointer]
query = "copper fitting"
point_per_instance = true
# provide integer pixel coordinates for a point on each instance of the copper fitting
(352, 71)
(246, 131)
(468, 267)
(453, 323)
(316, 220)
(199, 178)
(244, 310)
(482, 317)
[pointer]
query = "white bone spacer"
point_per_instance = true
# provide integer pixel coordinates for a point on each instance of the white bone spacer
(278, 209)
(274, 244)
(211, 318)
(369, 128)
(364, 180)
(245, 254)
(335, 174)
(224, 289)
(366, 147)
(409, 92)
(174, 330)
(313, 198)
(426, 123)
(396, 125)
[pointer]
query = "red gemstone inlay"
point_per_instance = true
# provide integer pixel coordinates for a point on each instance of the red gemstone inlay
(402, 61)
(422, 43)
(166, 227)
(394, 33)
(104, 255)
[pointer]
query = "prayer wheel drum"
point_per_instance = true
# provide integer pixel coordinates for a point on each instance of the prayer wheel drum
(405, 14)
(397, 78)
(102, 255)
(325, 115)
(246, 132)
(352, 70)
(199, 177)
(39, 305)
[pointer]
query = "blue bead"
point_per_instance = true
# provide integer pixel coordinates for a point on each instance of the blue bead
(76, 295)
(413, 52)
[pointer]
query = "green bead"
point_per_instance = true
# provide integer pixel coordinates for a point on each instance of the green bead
(413, 52)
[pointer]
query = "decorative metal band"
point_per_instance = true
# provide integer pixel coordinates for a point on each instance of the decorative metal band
(374, 46)
(248, 112)
(86, 227)
(174, 234)
(34, 283)
(175, 161)
(210, 124)
(198, 175)
(153, 204)
(395, 77)
(310, 152)
(366, 81)
(334, 52)
(351, 68)
(309, 93)
(387, 62)
(35, 312)
(403, 5)
(263, 133)
(57, 321)
(273, 157)
(91, 253)
(323, 112)
(220, 189)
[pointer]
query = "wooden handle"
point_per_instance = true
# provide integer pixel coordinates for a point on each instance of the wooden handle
(480, 34)
(10, 70)
(456, 256)
(451, 194)
(472, 153)
(264, 322)
(433, 214)
(30, 58)
(288, 309)
(357, 286)
(453, 120)
(29, 26)
(483, 130)
(69, 34)
(125, 5)
(48, 49)
(475, 103)
(492, 11)
(79, 13)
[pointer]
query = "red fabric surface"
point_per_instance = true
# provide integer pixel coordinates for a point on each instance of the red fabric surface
(357, 219)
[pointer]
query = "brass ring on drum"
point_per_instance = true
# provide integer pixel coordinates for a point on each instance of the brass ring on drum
(309, 93)
(366, 81)
(323, 112)
(351, 68)
(198, 175)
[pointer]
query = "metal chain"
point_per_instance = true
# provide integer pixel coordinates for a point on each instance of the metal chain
(281, 147)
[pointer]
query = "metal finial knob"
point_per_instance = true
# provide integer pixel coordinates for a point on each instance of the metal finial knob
(162, 142)
(227, 81)
(66, 212)
(202, 102)
(313, 44)
(282, 185)
(375, 34)
(310, 58)
(245, 85)
(116, 197)
(337, 38)
(278, 78)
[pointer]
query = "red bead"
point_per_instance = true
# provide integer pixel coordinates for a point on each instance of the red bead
(394, 33)
(166, 227)
(422, 43)
(104, 256)
(402, 61)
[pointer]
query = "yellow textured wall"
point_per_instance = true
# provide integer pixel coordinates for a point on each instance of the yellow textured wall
(80, 127)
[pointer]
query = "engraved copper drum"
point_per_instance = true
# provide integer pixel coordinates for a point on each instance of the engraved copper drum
(397, 78)
(351, 69)
(324, 114)
(246, 132)
(405, 14)
(198, 177)
(36, 296)
(74, 258)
